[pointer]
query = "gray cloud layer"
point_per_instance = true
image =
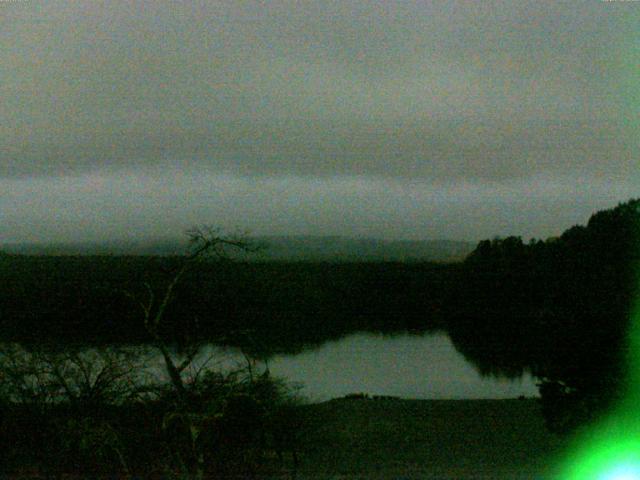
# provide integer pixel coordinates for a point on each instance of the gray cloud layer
(439, 91)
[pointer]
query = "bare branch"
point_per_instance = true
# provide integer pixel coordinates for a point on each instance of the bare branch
(203, 240)
(144, 307)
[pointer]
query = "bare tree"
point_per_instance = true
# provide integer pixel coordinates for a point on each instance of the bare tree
(96, 376)
(205, 241)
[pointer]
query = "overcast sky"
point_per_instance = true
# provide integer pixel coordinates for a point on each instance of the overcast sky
(459, 120)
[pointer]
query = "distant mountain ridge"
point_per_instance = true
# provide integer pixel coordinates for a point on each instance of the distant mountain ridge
(274, 248)
(363, 249)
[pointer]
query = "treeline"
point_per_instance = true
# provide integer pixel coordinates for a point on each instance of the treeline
(286, 305)
(559, 308)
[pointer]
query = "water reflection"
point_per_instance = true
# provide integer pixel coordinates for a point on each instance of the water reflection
(408, 366)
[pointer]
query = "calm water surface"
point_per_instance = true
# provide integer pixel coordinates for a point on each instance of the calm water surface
(408, 366)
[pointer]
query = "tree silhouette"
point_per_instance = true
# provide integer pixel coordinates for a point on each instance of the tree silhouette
(559, 309)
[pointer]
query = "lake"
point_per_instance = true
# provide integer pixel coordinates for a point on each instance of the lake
(408, 366)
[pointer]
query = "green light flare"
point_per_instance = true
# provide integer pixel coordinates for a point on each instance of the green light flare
(610, 449)
(632, 396)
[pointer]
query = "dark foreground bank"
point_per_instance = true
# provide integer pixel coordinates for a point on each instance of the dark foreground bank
(389, 438)
(415, 439)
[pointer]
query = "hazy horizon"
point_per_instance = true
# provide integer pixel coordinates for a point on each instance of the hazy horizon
(185, 239)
